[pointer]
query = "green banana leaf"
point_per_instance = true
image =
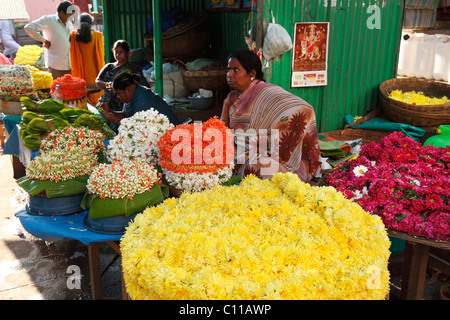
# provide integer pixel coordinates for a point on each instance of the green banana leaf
(232, 181)
(54, 189)
(104, 208)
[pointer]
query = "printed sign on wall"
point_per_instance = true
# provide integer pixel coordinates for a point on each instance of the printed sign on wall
(309, 62)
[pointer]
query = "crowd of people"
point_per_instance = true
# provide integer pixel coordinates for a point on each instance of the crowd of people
(252, 103)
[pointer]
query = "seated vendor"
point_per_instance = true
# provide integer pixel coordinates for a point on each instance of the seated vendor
(136, 98)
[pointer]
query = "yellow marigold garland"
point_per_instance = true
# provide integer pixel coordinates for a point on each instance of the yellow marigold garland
(279, 239)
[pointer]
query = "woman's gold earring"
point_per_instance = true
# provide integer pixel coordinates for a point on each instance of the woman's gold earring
(252, 78)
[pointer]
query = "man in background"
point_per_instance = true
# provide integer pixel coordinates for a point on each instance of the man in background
(56, 29)
(8, 38)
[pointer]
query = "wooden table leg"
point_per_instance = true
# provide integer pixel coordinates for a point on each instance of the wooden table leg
(414, 270)
(95, 272)
(116, 246)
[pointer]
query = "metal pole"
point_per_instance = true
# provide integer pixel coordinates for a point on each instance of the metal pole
(157, 46)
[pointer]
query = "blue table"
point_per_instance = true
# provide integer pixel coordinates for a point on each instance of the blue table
(71, 227)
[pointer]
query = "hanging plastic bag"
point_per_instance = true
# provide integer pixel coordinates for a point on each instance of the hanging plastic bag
(276, 41)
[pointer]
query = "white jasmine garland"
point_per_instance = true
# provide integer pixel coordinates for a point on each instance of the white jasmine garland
(138, 136)
(122, 179)
(198, 181)
(61, 165)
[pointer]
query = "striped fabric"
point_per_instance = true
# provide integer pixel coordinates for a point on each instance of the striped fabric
(13, 9)
(268, 107)
(421, 4)
(419, 18)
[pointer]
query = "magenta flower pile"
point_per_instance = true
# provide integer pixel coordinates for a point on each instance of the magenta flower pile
(403, 182)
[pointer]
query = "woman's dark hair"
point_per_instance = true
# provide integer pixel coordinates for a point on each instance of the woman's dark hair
(250, 61)
(125, 79)
(122, 44)
(84, 32)
(62, 7)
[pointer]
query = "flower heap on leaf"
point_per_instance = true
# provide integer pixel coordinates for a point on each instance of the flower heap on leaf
(417, 98)
(403, 182)
(138, 136)
(278, 239)
(64, 162)
(197, 156)
(122, 179)
(66, 154)
(123, 188)
(71, 88)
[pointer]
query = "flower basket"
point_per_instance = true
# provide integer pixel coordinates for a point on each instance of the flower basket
(116, 192)
(112, 216)
(61, 170)
(416, 115)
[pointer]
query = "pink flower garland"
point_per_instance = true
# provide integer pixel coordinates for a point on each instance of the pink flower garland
(403, 182)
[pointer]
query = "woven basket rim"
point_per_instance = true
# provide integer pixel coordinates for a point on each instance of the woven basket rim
(383, 90)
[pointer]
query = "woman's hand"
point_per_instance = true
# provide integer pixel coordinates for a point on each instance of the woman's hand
(109, 86)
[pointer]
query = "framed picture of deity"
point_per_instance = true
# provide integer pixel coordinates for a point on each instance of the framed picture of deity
(310, 54)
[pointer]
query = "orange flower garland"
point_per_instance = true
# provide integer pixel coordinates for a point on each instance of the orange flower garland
(71, 88)
(197, 156)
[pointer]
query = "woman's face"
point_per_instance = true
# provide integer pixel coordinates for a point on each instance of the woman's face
(125, 95)
(238, 78)
(120, 55)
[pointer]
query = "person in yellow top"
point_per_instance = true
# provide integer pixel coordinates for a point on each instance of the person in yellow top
(87, 53)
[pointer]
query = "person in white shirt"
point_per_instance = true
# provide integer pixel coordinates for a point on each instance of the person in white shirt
(56, 29)
(7, 38)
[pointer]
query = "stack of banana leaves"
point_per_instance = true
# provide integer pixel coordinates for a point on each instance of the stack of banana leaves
(41, 117)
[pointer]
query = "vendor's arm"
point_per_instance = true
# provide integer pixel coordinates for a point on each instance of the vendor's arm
(102, 84)
(111, 117)
(33, 30)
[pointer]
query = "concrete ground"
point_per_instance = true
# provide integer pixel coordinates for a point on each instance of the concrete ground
(32, 269)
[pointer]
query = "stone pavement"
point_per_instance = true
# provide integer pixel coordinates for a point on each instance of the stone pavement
(31, 269)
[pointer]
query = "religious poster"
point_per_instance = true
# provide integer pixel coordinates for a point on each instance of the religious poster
(309, 62)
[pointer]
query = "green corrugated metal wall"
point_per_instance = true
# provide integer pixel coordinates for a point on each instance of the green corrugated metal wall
(127, 19)
(359, 58)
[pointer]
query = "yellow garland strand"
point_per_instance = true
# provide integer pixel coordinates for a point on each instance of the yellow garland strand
(279, 239)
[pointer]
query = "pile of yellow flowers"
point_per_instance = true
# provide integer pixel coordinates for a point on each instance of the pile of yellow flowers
(278, 239)
(28, 54)
(418, 98)
(41, 79)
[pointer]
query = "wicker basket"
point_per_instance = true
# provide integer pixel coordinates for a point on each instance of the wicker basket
(416, 115)
(215, 80)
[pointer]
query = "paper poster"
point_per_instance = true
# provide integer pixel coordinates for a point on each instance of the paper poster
(309, 62)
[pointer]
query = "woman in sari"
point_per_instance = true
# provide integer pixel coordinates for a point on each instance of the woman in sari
(105, 78)
(87, 53)
(275, 131)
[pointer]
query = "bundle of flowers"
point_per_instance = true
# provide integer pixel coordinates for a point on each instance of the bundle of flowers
(65, 160)
(122, 188)
(278, 239)
(197, 156)
(41, 79)
(65, 139)
(138, 136)
(418, 98)
(28, 54)
(403, 182)
(71, 88)
(15, 82)
(62, 165)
